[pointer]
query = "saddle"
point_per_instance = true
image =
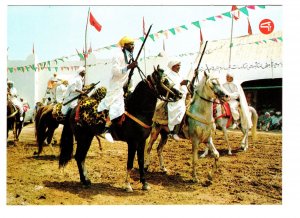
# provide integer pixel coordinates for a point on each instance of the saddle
(225, 112)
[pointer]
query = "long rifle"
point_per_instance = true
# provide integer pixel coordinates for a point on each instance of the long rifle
(137, 57)
(86, 92)
(197, 68)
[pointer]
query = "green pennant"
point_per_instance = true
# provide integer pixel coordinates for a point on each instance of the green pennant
(152, 37)
(19, 68)
(256, 43)
(280, 38)
(197, 24)
(261, 6)
(244, 10)
(142, 38)
(211, 18)
(48, 63)
(11, 69)
(184, 27)
(227, 14)
(33, 67)
(80, 56)
(265, 41)
(161, 31)
(172, 30)
(56, 68)
(49, 68)
(27, 68)
(115, 45)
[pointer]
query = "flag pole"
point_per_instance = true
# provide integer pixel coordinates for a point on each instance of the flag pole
(85, 39)
(230, 46)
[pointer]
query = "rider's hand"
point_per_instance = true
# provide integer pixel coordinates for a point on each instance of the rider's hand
(132, 65)
(184, 82)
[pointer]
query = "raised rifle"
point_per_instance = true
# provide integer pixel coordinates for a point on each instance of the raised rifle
(85, 93)
(191, 87)
(126, 86)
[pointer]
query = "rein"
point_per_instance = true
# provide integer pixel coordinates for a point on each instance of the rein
(137, 120)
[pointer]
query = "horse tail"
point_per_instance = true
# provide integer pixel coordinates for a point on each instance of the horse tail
(42, 120)
(37, 119)
(66, 142)
(254, 118)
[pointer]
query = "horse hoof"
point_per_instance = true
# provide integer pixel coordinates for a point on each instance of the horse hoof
(36, 153)
(87, 183)
(229, 153)
(146, 186)
(203, 156)
(128, 187)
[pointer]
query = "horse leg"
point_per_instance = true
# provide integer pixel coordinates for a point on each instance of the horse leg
(216, 157)
(15, 132)
(83, 144)
(195, 144)
(132, 147)
(140, 156)
(224, 129)
(205, 153)
(153, 136)
(99, 142)
(244, 142)
(163, 141)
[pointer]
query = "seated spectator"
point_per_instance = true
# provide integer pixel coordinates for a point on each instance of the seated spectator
(265, 122)
(276, 121)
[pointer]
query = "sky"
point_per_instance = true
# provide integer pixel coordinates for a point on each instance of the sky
(56, 31)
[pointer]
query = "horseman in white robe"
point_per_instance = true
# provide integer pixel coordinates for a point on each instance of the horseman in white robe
(176, 110)
(12, 92)
(61, 91)
(122, 63)
(237, 99)
(74, 89)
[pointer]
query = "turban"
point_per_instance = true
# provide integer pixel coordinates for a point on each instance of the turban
(125, 40)
(231, 74)
(172, 63)
(81, 69)
(10, 82)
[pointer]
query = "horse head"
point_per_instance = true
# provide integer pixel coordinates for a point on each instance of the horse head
(162, 86)
(212, 87)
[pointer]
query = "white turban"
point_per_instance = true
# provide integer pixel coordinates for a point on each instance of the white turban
(173, 62)
(229, 73)
(80, 69)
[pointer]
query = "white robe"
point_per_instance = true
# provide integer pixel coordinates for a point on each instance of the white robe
(60, 93)
(15, 100)
(176, 110)
(77, 83)
(236, 92)
(114, 100)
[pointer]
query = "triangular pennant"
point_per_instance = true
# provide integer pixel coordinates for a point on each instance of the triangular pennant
(227, 14)
(280, 38)
(56, 68)
(211, 18)
(152, 37)
(178, 29)
(251, 7)
(184, 27)
(142, 38)
(244, 10)
(219, 16)
(11, 69)
(261, 6)
(197, 24)
(172, 30)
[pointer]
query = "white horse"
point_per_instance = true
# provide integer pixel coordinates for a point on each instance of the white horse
(223, 120)
(198, 125)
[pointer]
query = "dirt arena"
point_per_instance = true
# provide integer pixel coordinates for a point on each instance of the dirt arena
(245, 178)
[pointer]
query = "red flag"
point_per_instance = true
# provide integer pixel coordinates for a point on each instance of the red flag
(235, 12)
(144, 32)
(94, 22)
(249, 28)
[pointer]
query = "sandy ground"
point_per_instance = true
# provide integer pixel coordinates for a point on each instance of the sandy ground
(245, 178)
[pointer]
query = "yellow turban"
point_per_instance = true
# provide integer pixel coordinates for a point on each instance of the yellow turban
(125, 40)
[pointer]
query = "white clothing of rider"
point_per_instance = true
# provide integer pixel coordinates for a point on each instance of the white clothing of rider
(114, 99)
(237, 98)
(176, 110)
(14, 98)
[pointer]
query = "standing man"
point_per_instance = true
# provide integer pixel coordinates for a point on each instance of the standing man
(51, 87)
(74, 89)
(122, 63)
(237, 98)
(13, 94)
(176, 110)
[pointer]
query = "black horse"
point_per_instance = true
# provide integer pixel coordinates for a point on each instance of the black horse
(134, 130)
(13, 120)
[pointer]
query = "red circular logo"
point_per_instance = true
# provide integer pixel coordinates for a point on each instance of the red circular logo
(266, 26)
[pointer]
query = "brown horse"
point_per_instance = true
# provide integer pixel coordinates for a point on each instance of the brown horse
(13, 120)
(48, 118)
